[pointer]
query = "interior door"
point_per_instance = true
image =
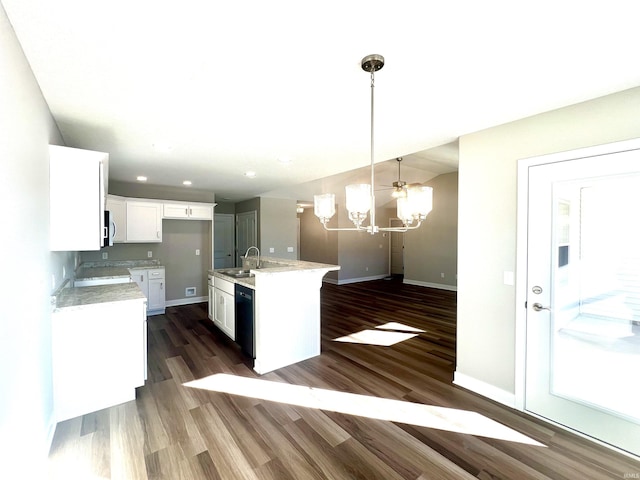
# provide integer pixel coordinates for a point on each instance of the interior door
(223, 240)
(583, 295)
(396, 245)
(246, 233)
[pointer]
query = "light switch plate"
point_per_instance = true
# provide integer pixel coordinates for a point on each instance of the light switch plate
(289, 249)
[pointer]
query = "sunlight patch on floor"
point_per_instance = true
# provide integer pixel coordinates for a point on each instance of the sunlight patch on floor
(441, 418)
(383, 338)
(399, 326)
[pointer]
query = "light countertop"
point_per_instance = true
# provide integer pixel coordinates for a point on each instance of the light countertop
(78, 297)
(115, 269)
(82, 296)
(270, 266)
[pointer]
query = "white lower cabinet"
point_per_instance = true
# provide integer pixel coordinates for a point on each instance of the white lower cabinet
(156, 290)
(152, 283)
(156, 294)
(224, 314)
(99, 356)
(212, 300)
(140, 276)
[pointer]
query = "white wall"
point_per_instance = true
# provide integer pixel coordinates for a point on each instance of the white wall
(487, 223)
(30, 271)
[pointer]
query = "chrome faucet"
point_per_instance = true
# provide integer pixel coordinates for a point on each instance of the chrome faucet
(257, 250)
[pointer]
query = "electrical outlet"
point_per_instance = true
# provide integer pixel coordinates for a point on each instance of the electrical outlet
(272, 250)
(290, 249)
(149, 254)
(441, 274)
(197, 251)
(105, 255)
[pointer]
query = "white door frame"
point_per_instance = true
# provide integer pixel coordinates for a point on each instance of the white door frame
(522, 248)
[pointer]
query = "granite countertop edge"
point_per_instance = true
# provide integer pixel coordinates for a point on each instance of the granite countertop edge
(82, 297)
(114, 269)
(275, 265)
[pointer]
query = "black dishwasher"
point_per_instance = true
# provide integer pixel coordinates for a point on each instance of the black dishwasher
(244, 320)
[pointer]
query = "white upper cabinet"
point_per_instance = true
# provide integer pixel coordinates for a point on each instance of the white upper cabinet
(118, 208)
(77, 192)
(192, 211)
(144, 221)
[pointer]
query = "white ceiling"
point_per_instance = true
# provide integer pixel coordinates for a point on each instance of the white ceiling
(205, 91)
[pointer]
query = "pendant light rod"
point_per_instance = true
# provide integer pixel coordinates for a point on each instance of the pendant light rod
(412, 209)
(374, 64)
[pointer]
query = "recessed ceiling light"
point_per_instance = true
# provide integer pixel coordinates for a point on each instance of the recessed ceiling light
(141, 178)
(187, 182)
(250, 174)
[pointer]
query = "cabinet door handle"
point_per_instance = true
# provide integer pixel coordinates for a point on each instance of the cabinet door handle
(158, 234)
(190, 212)
(161, 286)
(186, 211)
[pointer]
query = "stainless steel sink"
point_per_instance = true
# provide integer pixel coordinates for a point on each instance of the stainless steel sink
(238, 273)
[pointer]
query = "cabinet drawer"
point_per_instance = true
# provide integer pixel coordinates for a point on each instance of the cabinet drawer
(156, 273)
(224, 285)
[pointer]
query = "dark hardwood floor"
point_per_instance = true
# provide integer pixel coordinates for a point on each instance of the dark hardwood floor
(173, 431)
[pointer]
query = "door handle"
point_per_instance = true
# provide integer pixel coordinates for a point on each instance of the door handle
(538, 307)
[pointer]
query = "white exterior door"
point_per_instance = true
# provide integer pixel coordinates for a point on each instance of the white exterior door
(583, 292)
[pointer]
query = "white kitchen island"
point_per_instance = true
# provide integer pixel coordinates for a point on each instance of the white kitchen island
(286, 310)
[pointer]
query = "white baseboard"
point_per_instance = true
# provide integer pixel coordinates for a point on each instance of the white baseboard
(185, 301)
(439, 286)
(485, 389)
(362, 279)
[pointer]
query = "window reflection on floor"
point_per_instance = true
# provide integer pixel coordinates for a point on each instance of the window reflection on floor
(441, 418)
(376, 337)
(384, 335)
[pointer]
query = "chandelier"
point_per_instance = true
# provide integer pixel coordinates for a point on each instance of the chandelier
(412, 208)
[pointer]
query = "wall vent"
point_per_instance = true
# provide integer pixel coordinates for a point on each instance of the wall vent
(190, 292)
